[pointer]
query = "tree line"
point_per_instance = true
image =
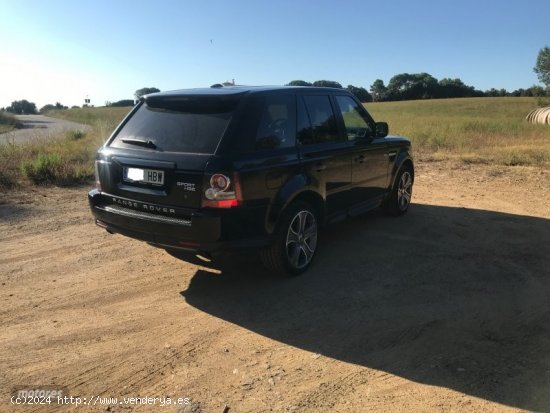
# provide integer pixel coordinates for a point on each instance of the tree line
(404, 86)
(414, 86)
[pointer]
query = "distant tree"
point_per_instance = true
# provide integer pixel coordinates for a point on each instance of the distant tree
(542, 67)
(327, 83)
(378, 90)
(455, 88)
(122, 103)
(407, 86)
(497, 92)
(537, 91)
(299, 83)
(526, 92)
(145, 91)
(49, 106)
(22, 107)
(360, 93)
(75, 107)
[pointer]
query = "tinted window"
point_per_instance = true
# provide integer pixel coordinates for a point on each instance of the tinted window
(305, 133)
(322, 120)
(192, 125)
(356, 126)
(277, 127)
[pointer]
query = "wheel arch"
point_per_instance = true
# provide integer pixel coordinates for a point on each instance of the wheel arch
(286, 198)
(403, 161)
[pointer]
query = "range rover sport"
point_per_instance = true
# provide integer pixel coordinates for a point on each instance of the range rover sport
(218, 169)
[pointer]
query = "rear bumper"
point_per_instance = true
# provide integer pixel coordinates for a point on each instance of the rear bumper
(205, 230)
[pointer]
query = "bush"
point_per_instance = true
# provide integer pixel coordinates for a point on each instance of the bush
(22, 107)
(122, 103)
(8, 122)
(76, 134)
(44, 168)
(64, 160)
(7, 179)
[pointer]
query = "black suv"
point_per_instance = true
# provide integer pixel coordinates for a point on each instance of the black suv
(216, 169)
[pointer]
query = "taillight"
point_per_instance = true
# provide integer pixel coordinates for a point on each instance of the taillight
(97, 181)
(223, 192)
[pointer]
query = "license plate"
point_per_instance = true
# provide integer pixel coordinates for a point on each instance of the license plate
(147, 176)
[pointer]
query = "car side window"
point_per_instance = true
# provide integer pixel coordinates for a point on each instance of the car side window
(322, 126)
(277, 127)
(356, 125)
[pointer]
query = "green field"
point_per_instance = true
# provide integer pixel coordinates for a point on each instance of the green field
(475, 130)
(471, 130)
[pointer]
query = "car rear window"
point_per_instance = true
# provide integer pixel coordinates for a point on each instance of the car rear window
(190, 125)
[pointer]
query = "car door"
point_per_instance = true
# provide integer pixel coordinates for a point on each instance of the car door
(324, 152)
(369, 167)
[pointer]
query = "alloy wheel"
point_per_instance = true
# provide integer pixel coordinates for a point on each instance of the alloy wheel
(301, 239)
(404, 191)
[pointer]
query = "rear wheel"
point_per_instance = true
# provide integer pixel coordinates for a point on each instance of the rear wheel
(295, 243)
(401, 194)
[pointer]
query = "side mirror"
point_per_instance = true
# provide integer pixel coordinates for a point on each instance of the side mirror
(382, 129)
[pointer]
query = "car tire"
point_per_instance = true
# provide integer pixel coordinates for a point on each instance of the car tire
(399, 200)
(295, 241)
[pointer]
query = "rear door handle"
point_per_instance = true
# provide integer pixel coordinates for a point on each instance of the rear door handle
(320, 167)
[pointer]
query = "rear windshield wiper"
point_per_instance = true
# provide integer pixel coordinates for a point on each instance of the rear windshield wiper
(139, 142)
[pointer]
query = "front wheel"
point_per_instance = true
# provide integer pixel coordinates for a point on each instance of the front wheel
(400, 197)
(295, 241)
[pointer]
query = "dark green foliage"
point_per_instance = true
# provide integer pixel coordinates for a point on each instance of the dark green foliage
(360, 93)
(49, 107)
(407, 86)
(76, 134)
(327, 83)
(455, 88)
(542, 67)
(413, 86)
(379, 90)
(22, 107)
(122, 103)
(8, 119)
(45, 168)
(299, 83)
(145, 91)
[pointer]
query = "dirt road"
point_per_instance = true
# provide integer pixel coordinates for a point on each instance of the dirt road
(445, 309)
(40, 127)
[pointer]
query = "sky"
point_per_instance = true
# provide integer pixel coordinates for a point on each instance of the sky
(64, 51)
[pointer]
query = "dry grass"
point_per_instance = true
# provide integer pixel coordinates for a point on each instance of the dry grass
(8, 122)
(474, 130)
(65, 160)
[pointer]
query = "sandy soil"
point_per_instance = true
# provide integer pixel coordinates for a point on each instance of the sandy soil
(444, 309)
(40, 127)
